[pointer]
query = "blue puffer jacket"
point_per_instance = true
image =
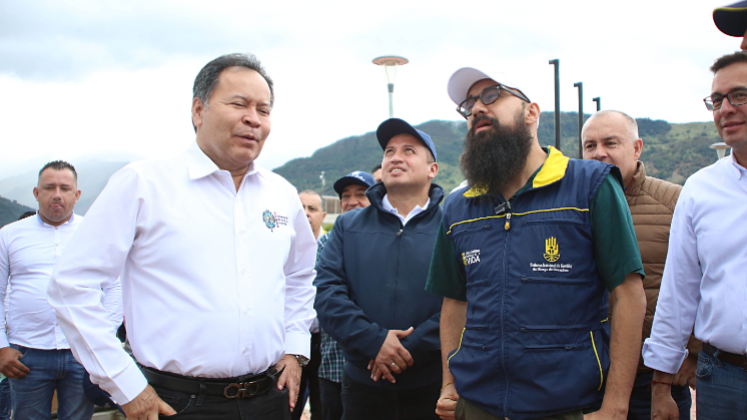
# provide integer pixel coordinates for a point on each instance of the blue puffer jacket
(371, 278)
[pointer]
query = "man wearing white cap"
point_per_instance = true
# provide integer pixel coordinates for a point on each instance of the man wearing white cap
(527, 258)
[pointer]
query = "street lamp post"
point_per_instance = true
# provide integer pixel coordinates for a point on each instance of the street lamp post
(556, 63)
(390, 63)
(580, 86)
(721, 148)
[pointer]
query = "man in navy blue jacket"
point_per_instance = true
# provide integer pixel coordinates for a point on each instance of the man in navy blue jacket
(370, 285)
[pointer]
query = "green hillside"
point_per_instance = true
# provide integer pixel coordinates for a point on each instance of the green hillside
(671, 151)
(10, 211)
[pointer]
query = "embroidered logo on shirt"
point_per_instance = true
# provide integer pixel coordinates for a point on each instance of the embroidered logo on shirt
(272, 220)
(552, 250)
(471, 257)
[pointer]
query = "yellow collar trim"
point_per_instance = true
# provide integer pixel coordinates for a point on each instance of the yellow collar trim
(552, 170)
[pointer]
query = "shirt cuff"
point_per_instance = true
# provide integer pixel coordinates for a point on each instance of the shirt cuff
(298, 343)
(662, 358)
(127, 385)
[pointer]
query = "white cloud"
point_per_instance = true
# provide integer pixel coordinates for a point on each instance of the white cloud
(85, 76)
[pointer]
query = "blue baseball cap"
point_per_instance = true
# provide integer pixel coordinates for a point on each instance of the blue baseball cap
(732, 18)
(361, 178)
(395, 126)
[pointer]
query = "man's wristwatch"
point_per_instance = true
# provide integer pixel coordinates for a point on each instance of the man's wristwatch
(303, 361)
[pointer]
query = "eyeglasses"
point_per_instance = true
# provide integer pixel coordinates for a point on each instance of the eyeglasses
(488, 96)
(735, 97)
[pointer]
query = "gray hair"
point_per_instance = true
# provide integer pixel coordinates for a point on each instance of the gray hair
(631, 122)
(207, 78)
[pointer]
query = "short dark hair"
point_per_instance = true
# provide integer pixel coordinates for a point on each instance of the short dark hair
(58, 165)
(728, 60)
(27, 214)
(312, 192)
(207, 78)
(376, 168)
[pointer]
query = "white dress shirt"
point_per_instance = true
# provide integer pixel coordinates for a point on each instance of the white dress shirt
(216, 283)
(29, 249)
(387, 206)
(705, 280)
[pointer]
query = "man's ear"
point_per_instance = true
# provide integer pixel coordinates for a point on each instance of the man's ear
(637, 148)
(532, 114)
(433, 171)
(198, 107)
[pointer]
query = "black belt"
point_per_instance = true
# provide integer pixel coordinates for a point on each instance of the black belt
(241, 387)
(734, 359)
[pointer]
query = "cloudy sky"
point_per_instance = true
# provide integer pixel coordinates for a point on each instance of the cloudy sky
(85, 77)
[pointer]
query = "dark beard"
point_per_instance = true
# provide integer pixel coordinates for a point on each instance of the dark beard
(492, 158)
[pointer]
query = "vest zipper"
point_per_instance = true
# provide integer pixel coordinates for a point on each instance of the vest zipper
(508, 216)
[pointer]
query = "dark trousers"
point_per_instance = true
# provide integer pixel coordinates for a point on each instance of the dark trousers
(363, 402)
(310, 381)
(640, 398)
(330, 393)
(270, 405)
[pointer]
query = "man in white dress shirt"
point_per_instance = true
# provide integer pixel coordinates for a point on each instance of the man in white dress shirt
(216, 259)
(34, 354)
(705, 281)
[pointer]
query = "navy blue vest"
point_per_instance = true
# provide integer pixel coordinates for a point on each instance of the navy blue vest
(536, 339)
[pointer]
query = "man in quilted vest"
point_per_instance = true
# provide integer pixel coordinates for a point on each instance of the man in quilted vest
(612, 137)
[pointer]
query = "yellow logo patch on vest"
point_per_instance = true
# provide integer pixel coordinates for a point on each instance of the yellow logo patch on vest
(552, 250)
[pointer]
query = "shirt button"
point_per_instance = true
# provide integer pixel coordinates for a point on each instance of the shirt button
(244, 271)
(245, 351)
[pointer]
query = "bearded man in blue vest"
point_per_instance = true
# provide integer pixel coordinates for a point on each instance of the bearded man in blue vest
(528, 256)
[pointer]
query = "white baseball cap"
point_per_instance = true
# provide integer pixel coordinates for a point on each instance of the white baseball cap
(464, 78)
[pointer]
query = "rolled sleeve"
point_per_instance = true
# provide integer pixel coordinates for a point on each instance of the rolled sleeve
(679, 295)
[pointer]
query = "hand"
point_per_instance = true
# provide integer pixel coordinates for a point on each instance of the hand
(146, 406)
(447, 401)
(393, 357)
(663, 406)
(687, 372)
(10, 365)
(290, 378)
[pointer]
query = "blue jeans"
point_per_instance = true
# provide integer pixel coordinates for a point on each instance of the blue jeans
(50, 370)
(5, 402)
(722, 389)
(640, 398)
(364, 402)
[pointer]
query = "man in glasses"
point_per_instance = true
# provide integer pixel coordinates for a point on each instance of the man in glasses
(526, 259)
(704, 281)
(612, 137)
(732, 20)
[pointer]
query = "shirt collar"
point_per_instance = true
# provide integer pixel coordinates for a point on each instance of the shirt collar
(739, 170)
(41, 222)
(199, 165)
(387, 206)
